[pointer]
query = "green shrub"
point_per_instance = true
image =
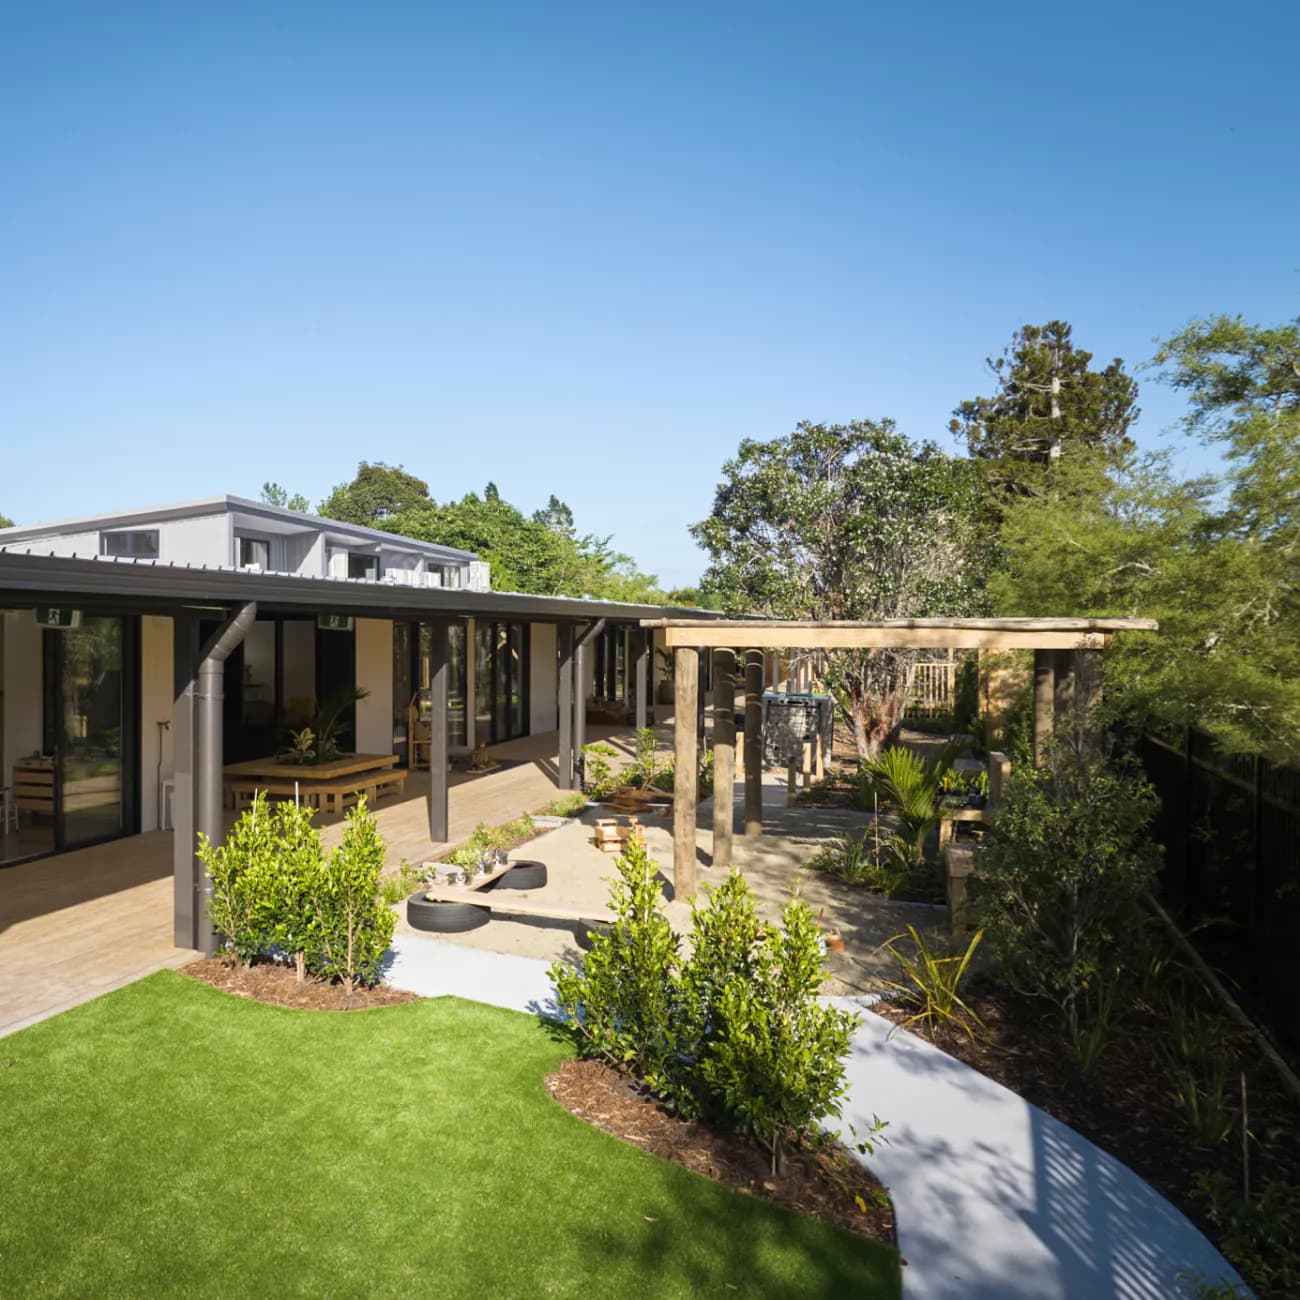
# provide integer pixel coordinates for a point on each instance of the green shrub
(641, 773)
(484, 839)
(351, 926)
(567, 805)
(1260, 1234)
(598, 777)
(620, 1004)
(726, 935)
(931, 980)
(397, 887)
(1063, 876)
(735, 1033)
(885, 863)
(245, 881)
(911, 785)
(778, 1066)
(290, 919)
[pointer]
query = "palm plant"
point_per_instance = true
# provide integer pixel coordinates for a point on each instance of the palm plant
(911, 784)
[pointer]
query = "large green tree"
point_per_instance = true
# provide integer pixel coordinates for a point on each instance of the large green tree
(1050, 402)
(1217, 561)
(375, 495)
(6, 522)
(845, 521)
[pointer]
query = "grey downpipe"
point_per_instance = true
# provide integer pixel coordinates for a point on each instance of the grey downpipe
(210, 694)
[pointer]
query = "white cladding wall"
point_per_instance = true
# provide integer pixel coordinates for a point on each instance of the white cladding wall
(23, 725)
(155, 707)
(375, 674)
(543, 680)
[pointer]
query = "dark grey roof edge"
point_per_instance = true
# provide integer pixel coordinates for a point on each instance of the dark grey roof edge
(28, 579)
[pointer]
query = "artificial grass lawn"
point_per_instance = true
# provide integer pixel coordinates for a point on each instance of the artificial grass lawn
(171, 1139)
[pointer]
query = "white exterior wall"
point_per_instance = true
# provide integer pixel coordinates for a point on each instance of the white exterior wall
(375, 674)
(155, 707)
(543, 680)
(23, 723)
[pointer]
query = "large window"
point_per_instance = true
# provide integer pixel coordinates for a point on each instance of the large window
(457, 733)
(139, 543)
(363, 566)
(254, 551)
(500, 682)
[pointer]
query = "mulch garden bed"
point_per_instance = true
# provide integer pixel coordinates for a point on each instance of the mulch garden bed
(1126, 1106)
(823, 1185)
(271, 982)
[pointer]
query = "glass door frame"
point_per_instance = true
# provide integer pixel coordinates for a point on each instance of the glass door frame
(55, 742)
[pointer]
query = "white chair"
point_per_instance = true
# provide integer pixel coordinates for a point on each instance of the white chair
(8, 809)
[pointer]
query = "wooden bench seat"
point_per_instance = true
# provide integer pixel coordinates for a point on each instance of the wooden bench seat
(516, 907)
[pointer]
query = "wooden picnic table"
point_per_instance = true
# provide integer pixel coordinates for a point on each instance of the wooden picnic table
(332, 785)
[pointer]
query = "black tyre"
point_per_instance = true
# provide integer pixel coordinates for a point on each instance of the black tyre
(525, 874)
(584, 932)
(444, 918)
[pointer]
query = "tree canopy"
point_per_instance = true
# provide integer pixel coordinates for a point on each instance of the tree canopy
(1049, 403)
(845, 521)
(1217, 561)
(275, 495)
(376, 494)
(542, 554)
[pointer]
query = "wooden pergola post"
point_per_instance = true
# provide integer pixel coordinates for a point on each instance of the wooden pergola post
(686, 761)
(753, 742)
(724, 754)
(1044, 701)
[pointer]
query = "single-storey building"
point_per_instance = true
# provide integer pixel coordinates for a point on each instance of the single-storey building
(142, 653)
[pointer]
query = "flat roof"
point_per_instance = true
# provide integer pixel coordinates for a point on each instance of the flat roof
(226, 505)
(121, 585)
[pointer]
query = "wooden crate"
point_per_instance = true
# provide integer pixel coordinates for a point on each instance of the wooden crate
(34, 785)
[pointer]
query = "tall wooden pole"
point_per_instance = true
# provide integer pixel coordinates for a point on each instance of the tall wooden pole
(753, 742)
(1044, 701)
(1064, 692)
(686, 759)
(724, 755)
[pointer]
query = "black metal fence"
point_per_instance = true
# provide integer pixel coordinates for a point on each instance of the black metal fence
(1231, 830)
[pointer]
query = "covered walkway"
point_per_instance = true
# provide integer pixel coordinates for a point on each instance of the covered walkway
(78, 924)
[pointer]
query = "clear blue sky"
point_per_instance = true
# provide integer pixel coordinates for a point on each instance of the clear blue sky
(585, 249)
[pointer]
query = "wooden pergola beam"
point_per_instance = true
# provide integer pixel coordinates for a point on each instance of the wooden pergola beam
(880, 636)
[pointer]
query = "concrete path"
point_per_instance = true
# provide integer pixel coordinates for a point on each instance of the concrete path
(995, 1199)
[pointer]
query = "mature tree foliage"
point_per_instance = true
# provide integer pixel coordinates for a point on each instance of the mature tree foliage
(543, 554)
(1218, 563)
(845, 522)
(274, 495)
(1243, 382)
(377, 493)
(6, 522)
(1049, 403)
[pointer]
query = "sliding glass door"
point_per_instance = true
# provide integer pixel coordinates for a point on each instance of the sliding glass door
(500, 682)
(90, 728)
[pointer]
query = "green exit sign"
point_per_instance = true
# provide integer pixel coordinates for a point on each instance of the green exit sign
(49, 616)
(334, 622)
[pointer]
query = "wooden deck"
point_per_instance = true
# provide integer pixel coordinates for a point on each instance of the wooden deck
(82, 923)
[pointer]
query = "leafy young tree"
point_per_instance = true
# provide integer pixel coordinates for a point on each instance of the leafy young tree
(1049, 403)
(1066, 868)
(275, 495)
(375, 495)
(6, 522)
(846, 521)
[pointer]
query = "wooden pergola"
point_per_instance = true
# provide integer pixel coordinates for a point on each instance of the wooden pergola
(1067, 658)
